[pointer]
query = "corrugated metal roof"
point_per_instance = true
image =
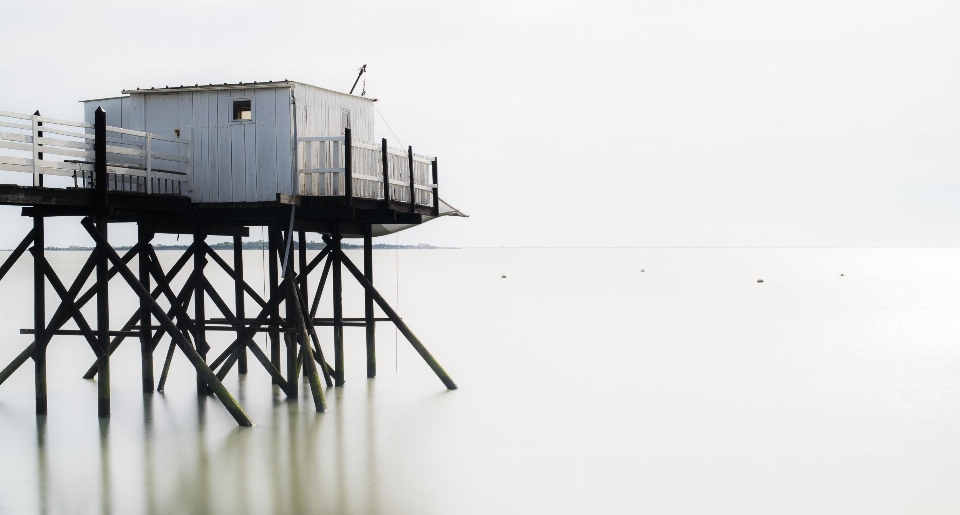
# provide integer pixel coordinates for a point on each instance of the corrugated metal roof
(210, 87)
(227, 86)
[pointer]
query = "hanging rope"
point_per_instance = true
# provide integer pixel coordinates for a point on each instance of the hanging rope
(396, 275)
(388, 126)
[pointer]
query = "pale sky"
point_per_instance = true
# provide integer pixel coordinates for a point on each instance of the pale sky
(713, 123)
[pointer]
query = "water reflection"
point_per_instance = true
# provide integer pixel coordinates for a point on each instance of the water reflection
(106, 490)
(42, 466)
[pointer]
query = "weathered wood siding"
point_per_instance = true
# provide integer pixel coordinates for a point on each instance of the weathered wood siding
(230, 161)
(251, 161)
(320, 112)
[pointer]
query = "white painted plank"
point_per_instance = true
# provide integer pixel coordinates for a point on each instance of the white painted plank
(185, 139)
(211, 189)
(47, 119)
(322, 170)
(15, 125)
(22, 138)
(285, 149)
(224, 140)
(250, 160)
(238, 179)
(196, 136)
(11, 114)
(321, 138)
(266, 127)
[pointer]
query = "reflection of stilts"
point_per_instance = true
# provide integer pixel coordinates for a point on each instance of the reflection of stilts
(43, 471)
(106, 489)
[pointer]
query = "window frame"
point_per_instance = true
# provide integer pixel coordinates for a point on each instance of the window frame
(253, 113)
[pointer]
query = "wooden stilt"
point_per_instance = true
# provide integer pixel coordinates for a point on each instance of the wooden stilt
(239, 294)
(273, 237)
(293, 372)
(218, 389)
(312, 331)
(146, 340)
(336, 255)
(368, 302)
(310, 368)
(166, 366)
(395, 318)
(302, 255)
(103, 322)
(199, 306)
(100, 236)
(39, 319)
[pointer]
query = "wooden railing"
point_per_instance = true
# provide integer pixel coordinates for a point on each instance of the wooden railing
(332, 165)
(132, 164)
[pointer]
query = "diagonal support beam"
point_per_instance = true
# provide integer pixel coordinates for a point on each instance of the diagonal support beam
(246, 335)
(68, 307)
(252, 345)
(395, 318)
(115, 343)
(234, 275)
(312, 332)
(323, 281)
(60, 317)
(315, 261)
(310, 367)
(218, 389)
(17, 252)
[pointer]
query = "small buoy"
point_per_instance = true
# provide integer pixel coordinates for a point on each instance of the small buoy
(841, 275)
(759, 280)
(503, 277)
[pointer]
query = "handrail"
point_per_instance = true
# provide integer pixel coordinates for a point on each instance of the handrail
(376, 172)
(37, 143)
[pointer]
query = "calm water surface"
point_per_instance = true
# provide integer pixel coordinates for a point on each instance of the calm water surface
(586, 386)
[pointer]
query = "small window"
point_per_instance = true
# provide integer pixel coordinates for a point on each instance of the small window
(242, 110)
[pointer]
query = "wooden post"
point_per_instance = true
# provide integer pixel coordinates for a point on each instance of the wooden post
(413, 191)
(302, 283)
(385, 161)
(103, 277)
(273, 243)
(368, 301)
(348, 165)
(310, 368)
(337, 307)
(103, 322)
(100, 155)
(293, 371)
(146, 340)
(436, 197)
(395, 318)
(302, 254)
(240, 297)
(38, 177)
(39, 318)
(199, 307)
